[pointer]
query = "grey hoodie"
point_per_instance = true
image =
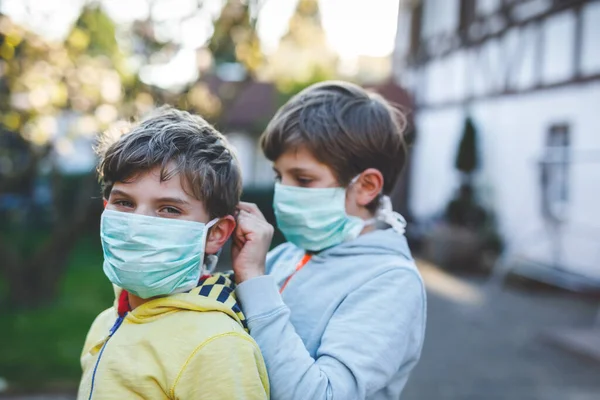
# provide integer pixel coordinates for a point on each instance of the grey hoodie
(349, 324)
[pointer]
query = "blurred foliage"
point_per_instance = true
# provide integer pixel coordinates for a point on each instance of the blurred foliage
(56, 94)
(235, 39)
(94, 33)
(234, 44)
(53, 94)
(467, 157)
(290, 88)
(303, 56)
(83, 75)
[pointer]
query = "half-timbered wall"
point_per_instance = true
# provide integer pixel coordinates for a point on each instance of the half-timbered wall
(519, 68)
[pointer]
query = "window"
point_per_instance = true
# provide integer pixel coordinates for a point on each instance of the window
(555, 172)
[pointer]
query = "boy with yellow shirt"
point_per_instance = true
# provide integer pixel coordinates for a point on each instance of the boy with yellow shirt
(170, 186)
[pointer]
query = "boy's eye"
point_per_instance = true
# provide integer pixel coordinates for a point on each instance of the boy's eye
(170, 210)
(304, 181)
(123, 203)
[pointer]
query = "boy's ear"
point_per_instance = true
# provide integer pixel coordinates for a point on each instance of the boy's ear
(368, 186)
(219, 234)
(104, 202)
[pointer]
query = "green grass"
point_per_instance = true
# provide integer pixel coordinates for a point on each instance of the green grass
(41, 348)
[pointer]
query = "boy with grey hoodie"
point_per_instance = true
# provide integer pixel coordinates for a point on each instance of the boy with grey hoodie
(339, 311)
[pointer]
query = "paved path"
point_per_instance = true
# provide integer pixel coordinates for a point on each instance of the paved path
(485, 344)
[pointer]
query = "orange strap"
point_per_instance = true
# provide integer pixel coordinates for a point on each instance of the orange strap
(299, 266)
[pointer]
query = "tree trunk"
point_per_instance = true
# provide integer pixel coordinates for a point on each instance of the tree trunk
(34, 280)
(37, 280)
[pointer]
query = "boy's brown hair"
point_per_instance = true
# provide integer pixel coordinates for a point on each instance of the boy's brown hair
(179, 143)
(344, 127)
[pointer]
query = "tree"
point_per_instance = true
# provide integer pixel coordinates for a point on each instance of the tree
(235, 39)
(303, 56)
(83, 85)
(467, 158)
(234, 45)
(74, 84)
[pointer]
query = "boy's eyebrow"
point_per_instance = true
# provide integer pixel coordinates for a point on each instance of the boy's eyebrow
(119, 192)
(176, 200)
(299, 170)
(293, 170)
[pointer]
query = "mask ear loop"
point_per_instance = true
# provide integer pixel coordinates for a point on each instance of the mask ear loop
(211, 260)
(211, 263)
(387, 214)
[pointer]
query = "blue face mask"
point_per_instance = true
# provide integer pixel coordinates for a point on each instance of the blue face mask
(151, 256)
(314, 218)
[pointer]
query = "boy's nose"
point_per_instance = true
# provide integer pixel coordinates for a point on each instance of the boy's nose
(287, 181)
(145, 210)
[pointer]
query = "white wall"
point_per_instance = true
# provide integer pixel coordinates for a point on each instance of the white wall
(590, 61)
(509, 62)
(439, 16)
(486, 7)
(257, 171)
(559, 36)
(512, 129)
(263, 171)
(512, 133)
(245, 148)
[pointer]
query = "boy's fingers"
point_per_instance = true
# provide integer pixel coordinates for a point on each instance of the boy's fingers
(244, 216)
(239, 238)
(250, 208)
(248, 222)
(252, 224)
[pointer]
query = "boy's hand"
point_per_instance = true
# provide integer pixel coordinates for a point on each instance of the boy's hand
(251, 242)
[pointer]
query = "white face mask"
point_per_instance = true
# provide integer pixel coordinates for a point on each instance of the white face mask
(151, 256)
(315, 218)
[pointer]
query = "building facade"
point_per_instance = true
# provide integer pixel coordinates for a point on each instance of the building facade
(528, 74)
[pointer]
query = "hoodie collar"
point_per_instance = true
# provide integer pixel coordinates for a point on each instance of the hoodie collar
(379, 241)
(213, 293)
